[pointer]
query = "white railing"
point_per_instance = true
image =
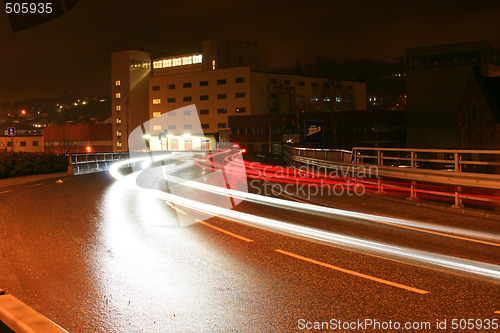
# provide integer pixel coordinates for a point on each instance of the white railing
(457, 170)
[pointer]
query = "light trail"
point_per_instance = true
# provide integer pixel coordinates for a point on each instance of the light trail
(412, 256)
(463, 234)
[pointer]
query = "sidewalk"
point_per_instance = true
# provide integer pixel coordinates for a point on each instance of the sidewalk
(5, 182)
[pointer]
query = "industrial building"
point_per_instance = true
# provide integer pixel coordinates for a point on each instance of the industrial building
(224, 79)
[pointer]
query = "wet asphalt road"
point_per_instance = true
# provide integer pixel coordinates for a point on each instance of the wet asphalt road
(96, 256)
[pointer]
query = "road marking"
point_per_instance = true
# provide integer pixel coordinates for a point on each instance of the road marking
(176, 209)
(224, 231)
(35, 185)
(343, 270)
(5, 191)
(407, 227)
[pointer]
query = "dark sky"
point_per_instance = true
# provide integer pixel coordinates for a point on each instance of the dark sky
(72, 52)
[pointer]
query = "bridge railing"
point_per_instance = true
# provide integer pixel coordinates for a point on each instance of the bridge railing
(435, 174)
(94, 162)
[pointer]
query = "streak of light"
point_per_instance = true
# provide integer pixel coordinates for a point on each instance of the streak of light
(470, 267)
(457, 233)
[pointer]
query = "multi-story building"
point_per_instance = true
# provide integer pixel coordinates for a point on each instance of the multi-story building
(436, 79)
(225, 79)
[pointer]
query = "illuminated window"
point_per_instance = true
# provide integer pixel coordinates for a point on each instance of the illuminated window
(239, 80)
(118, 107)
(171, 100)
(221, 81)
(204, 98)
(118, 143)
(118, 95)
(240, 94)
(204, 111)
(156, 114)
(205, 126)
(156, 88)
(221, 96)
(177, 62)
(203, 83)
(213, 64)
(171, 127)
(156, 100)
(157, 127)
(222, 110)
(171, 86)
(188, 126)
(118, 133)
(197, 59)
(186, 85)
(117, 83)
(187, 60)
(187, 99)
(241, 110)
(118, 120)
(221, 125)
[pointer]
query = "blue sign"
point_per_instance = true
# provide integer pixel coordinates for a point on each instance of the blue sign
(11, 131)
(313, 131)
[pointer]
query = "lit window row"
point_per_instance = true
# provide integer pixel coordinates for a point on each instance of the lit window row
(140, 64)
(180, 61)
(202, 98)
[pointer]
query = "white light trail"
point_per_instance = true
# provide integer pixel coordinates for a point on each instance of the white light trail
(400, 253)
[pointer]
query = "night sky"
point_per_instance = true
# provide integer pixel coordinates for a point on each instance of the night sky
(72, 52)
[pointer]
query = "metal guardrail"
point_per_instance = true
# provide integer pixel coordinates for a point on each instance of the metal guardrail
(413, 172)
(456, 160)
(80, 164)
(20, 318)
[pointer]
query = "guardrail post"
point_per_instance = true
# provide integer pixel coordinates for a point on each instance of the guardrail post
(380, 187)
(413, 192)
(457, 163)
(379, 157)
(458, 199)
(70, 166)
(412, 162)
